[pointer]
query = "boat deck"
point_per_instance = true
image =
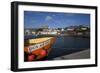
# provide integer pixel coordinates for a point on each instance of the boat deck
(38, 40)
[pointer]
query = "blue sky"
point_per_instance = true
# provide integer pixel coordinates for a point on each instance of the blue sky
(33, 19)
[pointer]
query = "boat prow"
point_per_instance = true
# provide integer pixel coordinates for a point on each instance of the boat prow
(36, 49)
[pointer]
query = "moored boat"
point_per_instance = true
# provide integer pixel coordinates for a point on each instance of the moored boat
(38, 48)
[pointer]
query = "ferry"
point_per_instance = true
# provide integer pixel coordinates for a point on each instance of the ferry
(38, 48)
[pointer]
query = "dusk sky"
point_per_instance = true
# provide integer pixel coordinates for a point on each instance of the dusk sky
(54, 19)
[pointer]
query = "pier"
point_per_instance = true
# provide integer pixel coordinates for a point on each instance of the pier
(77, 55)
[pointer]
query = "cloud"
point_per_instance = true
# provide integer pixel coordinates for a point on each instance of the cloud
(53, 15)
(48, 18)
(32, 21)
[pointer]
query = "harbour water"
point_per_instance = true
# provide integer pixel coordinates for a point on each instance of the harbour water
(68, 45)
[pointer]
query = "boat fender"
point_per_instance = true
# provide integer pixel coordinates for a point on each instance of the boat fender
(43, 52)
(31, 57)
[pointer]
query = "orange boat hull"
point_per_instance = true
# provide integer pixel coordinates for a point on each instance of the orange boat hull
(39, 53)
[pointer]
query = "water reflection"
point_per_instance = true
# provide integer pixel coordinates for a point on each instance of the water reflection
(68, 45)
